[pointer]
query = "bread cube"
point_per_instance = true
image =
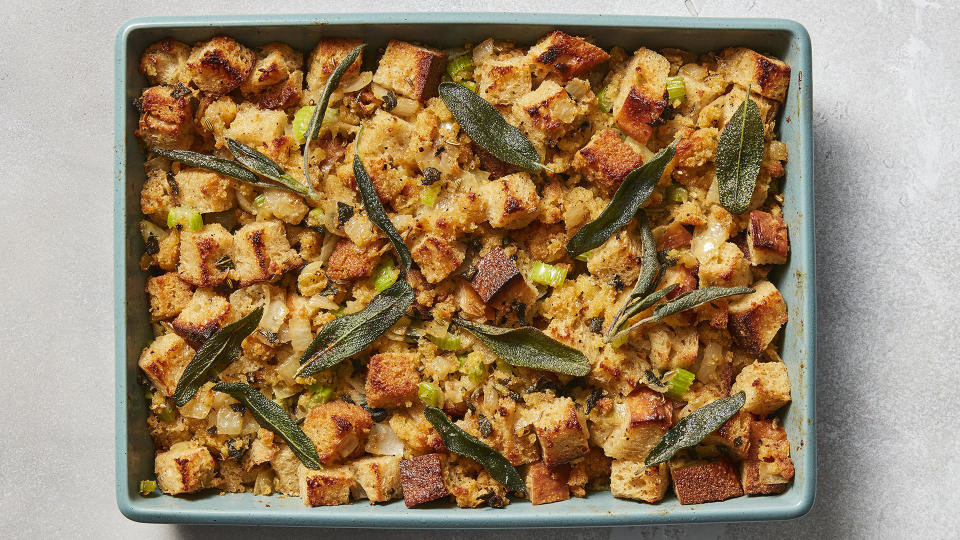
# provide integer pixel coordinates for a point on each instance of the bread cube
(167, 254)
(766, 75)
(606, 160)
(156, 195)
(726, 266)
(547, 113)
(639, 422)
(410, 70)
(275, 81)
(256, 127)
(417, 434)
(511, 201)
(164, 360)
(518, 445)
(392, 380)
(756, 318)
(329, 486)
(639, 103)
(437, 256)
(165, 62)
(768, 468)
(592, 472)
(546, 485)
(494, 271)
(631, 479)
(220, 65)
(562, 432)
(706, 482)
(673, 236)
(617, 260)
(471, 485)
(503, 82)
(733, 435)
(166, 118)
(199, 255)
(204, 191)
(349, 261)
(325, 58)
(286, 466)
(206, 313)
(168, 296)
(262, 252)
(672, 348)
(767, 239)
(185, 468)
(379, 476)
(338, 429)
(567, 56)
(766, 386)
(421, 478)
(262, 449)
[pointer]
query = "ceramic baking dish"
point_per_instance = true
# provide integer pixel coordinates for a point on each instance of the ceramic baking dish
(134, 450)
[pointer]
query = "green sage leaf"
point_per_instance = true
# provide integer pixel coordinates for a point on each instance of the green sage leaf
(222, 348)
(226, 167)
(486, 127)
(271, 416)
(690, 300)
(739, 153)
(377, 214)
(460, 442)
(263, 165)
(528, 347)
(632, 193)
(346, 336)
(694, 428)
(634, 308)
(650, 269)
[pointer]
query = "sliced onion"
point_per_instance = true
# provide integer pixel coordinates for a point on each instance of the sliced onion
(274, 315)
(405, 107)
(299, 333)
(362, 80)
(378, 91)
(229, 422)
(320, 301)
(199, 406)
(250, 425)
(288, 369)
(383, 441)
(482, 51)
(349, 445)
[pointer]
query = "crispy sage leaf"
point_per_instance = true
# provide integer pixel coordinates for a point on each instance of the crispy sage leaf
(739, 152)
(690, 300)
(377, 214)
(317, 119)
(216, 353)
(486, 127)
(460, 442)
(634, 308)
(632, 193)
(226, 167)
(528, 347)
(650, 270)
(263, 165)
(271, 416)
(694, 428)
(346, 336)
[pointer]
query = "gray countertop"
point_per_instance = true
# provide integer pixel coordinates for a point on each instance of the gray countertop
(888, 232)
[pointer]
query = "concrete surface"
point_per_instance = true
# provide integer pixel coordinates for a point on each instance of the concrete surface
(886, 88)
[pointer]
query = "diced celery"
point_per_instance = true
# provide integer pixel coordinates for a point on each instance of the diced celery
(678, 381)
(547, 274)
(451, 342)
(183, 217)
(147, 487)
(429, 195)
(676, 89)
(429, 394)
(461, 67)
(385, 275)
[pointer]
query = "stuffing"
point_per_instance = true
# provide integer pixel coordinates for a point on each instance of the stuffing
(766, 385)
(639, 103)
(756, 318)
(392, 380)
(591, 472)
(204, 191)
(164, 360)
(562, 432)
(220, 65)
(617, 261)
(166, 118)
(185, 468)
(767, 239)
(768, 468)
(165, 62)
(766, 74)
(421, 479)
(168, 295)
(338, 429)
(378, 476)
(631, 479)
(471, 485)
(262, 253)
(511, 201)
(329, 486)
(201, 255)
(349, 261)
(517, 444)
(545, 484)
(634, 426)
(567, 56)
(546, 113)
(437, 256)
(705, 482)
(410, 70)
(503, 82)
(606, 160)
(204, 314)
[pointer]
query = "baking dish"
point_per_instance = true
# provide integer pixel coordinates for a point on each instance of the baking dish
(796, 280)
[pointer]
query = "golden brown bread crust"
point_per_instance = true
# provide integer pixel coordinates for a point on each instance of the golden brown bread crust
(422, 479)
(567, 56)
(547, 484)
(494, 271)
(392, 380)
(338, 429)
(606, 160)
(708, 482)
(220, 65)
(166, 118)
(349, 261)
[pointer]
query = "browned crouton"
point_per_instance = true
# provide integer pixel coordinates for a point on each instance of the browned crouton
(639, 424)
(707, 482)
(503, 82)
(766, 385)
(157, 194)
(562, 432)
(220, 65)
(631, 479)
(767, 239)
(338, 429)
(421, 478)
(768, 468)
(168, 295)
(166, 118)
(204, 191)
(379, 476)
(257, 127)
(206, 313)
(410, 70)
(567, 56)
(185, 468)
(697, 149)
(199, 255)
(545, 484)
(639, 103)
(392, 380)
(165, 62)
(756, 318)
(437, 256)
(606, 160)
(592, 472)
(494, 271)
(673, 236)
(733, 435)
(725, 267)
(164, 360)
(617, 260)
(415, 431)
(511, 201)
(329, 486)
(276, 81)
(547, 112)
(262, 252)
(325, 58)
(764, 74)
(349, 261)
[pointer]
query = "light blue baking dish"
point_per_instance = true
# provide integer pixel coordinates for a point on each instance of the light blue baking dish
(134, 450)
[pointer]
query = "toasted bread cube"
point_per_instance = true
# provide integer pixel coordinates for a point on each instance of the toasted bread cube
(392, 380)
(639, 103)
(494, 271)
(338, 429)
(421, 478)
(185, 468)
(767, 239)
(410, 70)
(618, 259)
(329, 486)
(276, 81)
(756, 318)
(262, 252)
(766, 385)
(547, 113)
(262, 449)
(567, 56)
(325, 58)
(518, 445)
(697, 149)
(349, 261)
(471, 485)
(562, 432)
(765, 74)
(768, 469)
(156, 195)
(165, 62)
(706, 482)
(511, 201)
(255, 127)
(206, 313)
(204, 191)
(379, 476)
(734, 435)
(726, 267)
(673, 236)
(164, 360)
(642, 419)
(503, 82)
(167, 256)
(286, 466)
(199, 253)
(545, 484)
(166, 118)
(168, 296)
(606, 160)
(220, 65)
(633, 480)
(592, 472)
(437, 256)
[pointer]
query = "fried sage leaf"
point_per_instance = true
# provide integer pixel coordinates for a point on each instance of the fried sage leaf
(222, 348)
(377, 214)
(263, 165)
(694, 428)
(346, 336)
(271, 416)
(486, 127)
(650, 269)
(690, 300)
(739, 153)
(613, 333)
(632, 193)
(226, 167)
(317, 119)
(460, 442)
(528, 347)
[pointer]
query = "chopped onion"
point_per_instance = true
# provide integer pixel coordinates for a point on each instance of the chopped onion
(274, 315)
(250, 425)
(383, 441)
(490, 399)
(577, 88)
(329, 243)
(229, 422)
(482, 51)
(405, 107)
(199, 406)
(320, 301)
(288, 369)
(378, 91)
(349, 445)
(264, 482)
(361, 80)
